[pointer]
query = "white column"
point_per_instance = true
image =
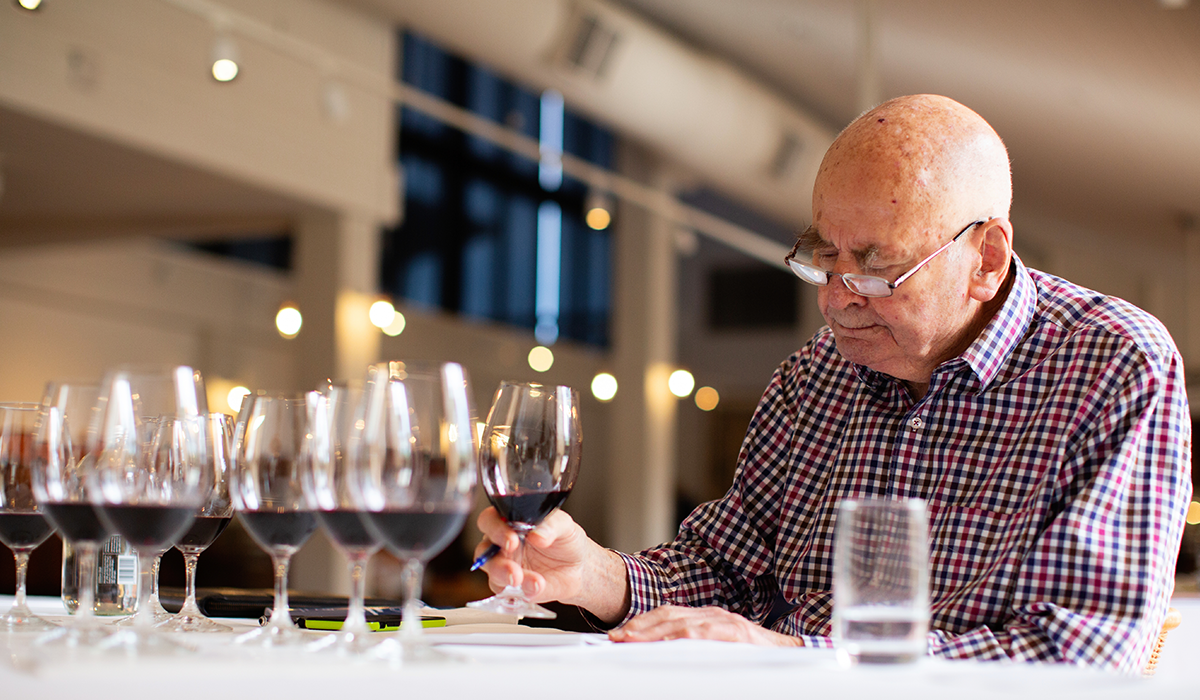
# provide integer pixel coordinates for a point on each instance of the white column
(641, 483)
(336, 269)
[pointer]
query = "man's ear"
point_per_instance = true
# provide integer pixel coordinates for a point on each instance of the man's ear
(995, 255)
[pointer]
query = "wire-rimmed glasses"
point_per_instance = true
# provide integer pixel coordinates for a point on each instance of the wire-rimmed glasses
(862, 285)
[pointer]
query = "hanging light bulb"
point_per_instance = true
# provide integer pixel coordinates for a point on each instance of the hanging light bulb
(597, 210)
(224, 59)
(288, 321)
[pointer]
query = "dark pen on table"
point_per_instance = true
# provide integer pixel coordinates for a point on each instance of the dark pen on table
(485, 557)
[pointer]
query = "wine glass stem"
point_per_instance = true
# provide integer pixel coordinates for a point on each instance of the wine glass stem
(410, 581)
(190, 559)
(356, 619)
(22, 557)
(154, 566)
(144, 616)
(279, 614)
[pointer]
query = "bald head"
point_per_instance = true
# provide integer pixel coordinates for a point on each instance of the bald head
(926, 158)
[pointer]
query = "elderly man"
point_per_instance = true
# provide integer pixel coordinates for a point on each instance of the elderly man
(1045, 425)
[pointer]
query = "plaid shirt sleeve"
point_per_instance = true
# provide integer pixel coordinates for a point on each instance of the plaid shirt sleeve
(724, 552)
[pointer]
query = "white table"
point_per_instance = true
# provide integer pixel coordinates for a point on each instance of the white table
(576, 667)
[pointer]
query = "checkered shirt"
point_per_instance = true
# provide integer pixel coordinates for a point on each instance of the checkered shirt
(1054, 457)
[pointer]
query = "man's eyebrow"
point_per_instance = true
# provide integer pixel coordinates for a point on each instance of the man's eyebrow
(811, 239)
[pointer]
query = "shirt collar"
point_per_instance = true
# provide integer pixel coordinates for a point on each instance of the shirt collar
(1000, 336)
(987, 354)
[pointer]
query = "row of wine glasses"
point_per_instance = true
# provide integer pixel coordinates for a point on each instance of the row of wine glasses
(395, 466)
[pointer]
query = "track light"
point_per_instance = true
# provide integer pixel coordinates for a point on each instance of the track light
(224, 59)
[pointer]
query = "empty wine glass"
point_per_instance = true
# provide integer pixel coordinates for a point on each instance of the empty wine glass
(327, 492)
(23, 526)
(412, 471)
(60, 487)
(528, 460)
(212, 518)
(275, 434)
(149, 475)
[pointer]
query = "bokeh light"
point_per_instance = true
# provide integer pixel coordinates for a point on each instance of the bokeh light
(382, 313)
(541, 358)
(707, 398)
(235, 397)
(288, 321)
(604, 386)
(681, 383)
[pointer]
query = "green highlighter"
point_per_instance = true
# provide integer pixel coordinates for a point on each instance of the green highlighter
(377, 623)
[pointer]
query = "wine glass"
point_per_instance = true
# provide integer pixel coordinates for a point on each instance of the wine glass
(326, 489)
(22, 524)
(149, 475)
(275, 434)
(60, 488)
(528, 460)
(412, 470)
(212, 518)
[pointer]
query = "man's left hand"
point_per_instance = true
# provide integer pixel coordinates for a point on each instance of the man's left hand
(674, 622)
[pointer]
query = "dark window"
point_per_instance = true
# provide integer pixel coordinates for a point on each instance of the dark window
(273, 251)
(485, 233)
(752, 298)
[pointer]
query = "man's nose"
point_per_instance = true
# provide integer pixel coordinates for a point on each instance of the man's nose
(840, 296)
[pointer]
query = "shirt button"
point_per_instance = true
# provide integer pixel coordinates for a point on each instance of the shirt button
(916, 423)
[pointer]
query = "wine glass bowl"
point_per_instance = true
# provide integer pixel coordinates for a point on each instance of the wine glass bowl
(412, 470)
(529, 457)
(23, 525)
(275, 434)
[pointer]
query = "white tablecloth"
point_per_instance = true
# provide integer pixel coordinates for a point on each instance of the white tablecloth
(566, 665)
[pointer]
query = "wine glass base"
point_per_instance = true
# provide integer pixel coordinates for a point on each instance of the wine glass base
(512, 601)
(142, 641)
(191, 623)
(351, 644)
(271, 636)
(75, 637)
(399, 651)
(18, 620)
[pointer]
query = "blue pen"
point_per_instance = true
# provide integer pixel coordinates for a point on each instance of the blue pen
(485, 557)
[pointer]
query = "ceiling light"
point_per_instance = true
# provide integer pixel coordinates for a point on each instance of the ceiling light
(382, 313)
(235, 396)
(224, 59)
(396, 327)
(288, 321)
(30, 5)
(681, 383)
(604, 386)
(597, 210)
(541, 358)
(707, 398)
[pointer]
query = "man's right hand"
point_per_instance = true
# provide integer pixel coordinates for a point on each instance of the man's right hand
(561, 563)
